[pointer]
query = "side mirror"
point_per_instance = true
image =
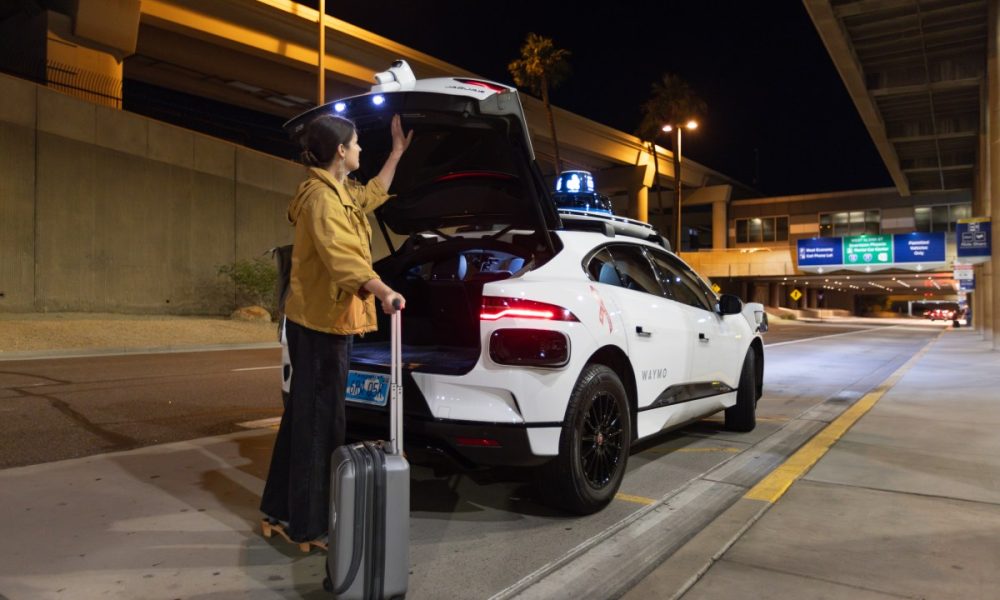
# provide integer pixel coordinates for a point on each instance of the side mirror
(730, 304)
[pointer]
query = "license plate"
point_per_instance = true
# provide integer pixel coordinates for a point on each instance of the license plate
(367, 388)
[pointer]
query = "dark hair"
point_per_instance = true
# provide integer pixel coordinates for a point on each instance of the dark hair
(322, 137)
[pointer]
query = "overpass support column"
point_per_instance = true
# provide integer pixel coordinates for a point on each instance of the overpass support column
(639, 203)
(813, 295)
(991, 200)
(76, 48)
(720, 225)
(989, 310)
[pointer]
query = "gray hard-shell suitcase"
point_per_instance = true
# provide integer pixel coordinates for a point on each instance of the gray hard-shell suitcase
(369, 552)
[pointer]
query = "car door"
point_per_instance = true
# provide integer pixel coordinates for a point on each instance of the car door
(657, 331)
(715, 338)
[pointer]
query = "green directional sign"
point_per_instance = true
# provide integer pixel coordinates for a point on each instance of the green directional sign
(868, 249)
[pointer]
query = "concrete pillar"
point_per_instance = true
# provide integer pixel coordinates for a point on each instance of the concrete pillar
(639, 203)
(974, 308)
(991, 283)
(989, 308)
(720, 225)
(774, 294)
(813, 297)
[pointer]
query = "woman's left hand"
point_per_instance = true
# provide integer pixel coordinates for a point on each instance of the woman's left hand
(399, 142)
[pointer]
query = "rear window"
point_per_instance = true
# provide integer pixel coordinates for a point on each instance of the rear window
(438, 150)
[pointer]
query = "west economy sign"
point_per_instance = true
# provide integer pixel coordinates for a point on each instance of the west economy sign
(915, 251)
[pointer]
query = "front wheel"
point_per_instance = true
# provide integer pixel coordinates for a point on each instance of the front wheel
(742, 416)
(594, 443)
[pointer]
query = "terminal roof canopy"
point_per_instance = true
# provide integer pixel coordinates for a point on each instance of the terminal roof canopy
(916, 72)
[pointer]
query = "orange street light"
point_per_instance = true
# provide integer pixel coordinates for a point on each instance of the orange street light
(690, 125)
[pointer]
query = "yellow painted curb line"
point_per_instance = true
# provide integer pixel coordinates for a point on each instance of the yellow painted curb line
(635, 499)
(774, 486)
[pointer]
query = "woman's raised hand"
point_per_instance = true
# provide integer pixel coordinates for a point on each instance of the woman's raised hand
(399, 142)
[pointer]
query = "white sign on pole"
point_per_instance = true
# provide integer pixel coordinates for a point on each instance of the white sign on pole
(963, 272)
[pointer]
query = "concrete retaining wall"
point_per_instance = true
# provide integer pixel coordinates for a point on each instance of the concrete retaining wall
(104, 210)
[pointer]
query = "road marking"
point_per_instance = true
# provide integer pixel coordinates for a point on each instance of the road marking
(711, 449)
(271, 423)
(257, 368)
(880, 327)
(774, 486)
(635, 499)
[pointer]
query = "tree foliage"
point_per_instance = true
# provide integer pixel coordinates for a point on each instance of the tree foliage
(542, 67)
(672, 101)
(255, 282)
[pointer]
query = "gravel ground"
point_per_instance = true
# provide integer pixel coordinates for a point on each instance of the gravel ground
(35, 332)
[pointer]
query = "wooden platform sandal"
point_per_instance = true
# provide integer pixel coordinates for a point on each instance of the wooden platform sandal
(268, 528)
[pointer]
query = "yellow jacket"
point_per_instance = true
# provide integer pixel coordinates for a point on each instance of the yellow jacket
(331, 257)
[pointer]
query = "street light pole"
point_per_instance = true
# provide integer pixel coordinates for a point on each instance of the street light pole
(678, 159)
(321, 76)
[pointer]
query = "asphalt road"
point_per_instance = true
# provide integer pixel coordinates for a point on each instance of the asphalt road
(70, 407)
(60, 408)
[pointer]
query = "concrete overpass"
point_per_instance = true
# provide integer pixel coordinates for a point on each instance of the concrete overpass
(263, 55)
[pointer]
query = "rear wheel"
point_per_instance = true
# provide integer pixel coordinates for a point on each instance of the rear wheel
(594, 443)
(742, 416)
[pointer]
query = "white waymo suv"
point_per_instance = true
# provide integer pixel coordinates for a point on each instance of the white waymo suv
(531, 336)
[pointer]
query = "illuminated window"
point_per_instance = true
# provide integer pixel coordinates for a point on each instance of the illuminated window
(940, 217)
(761, 229)
(855, 222)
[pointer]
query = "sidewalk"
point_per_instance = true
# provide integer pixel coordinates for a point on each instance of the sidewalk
(32, 335)
(905, 504)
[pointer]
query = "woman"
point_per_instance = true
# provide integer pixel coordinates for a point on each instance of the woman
(331, 298)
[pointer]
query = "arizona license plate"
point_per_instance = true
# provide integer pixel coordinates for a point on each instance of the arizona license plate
(367, 388)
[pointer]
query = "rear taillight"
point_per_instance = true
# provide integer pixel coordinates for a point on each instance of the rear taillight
(529, 347)
(494, 308)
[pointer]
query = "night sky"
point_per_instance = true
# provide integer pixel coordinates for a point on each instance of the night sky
(771, 88)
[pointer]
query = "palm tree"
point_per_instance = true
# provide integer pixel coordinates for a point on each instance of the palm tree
(672, 101)
(541, 67)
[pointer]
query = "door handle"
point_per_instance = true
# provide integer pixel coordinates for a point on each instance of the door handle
(702, 338)
(641, 333)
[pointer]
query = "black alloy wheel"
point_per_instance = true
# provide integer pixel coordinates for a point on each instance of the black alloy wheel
(593, 445)
(601, 442)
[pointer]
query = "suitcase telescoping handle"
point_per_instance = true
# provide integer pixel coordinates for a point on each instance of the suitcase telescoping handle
(396, 383)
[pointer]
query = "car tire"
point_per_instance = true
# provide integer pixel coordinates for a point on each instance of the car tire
(593, 445)
(742, 416)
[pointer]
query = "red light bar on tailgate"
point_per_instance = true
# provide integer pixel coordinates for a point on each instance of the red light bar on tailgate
(494, 308)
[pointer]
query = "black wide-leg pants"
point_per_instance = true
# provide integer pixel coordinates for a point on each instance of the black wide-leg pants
(312, 427)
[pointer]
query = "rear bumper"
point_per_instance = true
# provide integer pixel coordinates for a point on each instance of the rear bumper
(510, 445)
